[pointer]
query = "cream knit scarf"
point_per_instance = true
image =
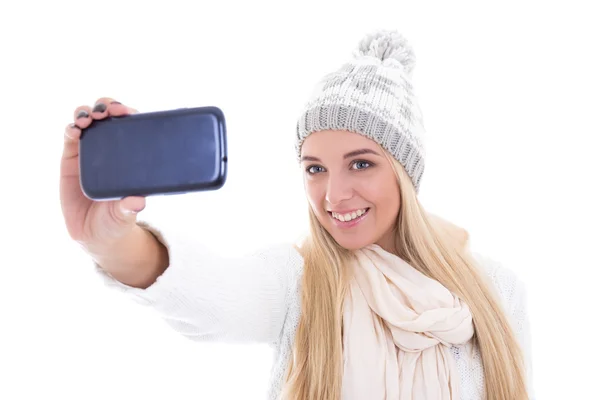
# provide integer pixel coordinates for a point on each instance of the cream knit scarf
(399, 326)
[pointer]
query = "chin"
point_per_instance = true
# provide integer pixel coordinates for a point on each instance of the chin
(353, 246)
(351, 243)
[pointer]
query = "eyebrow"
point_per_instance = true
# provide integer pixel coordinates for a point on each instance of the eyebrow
(347, 155)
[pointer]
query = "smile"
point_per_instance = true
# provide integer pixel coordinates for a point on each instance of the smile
(349, 219)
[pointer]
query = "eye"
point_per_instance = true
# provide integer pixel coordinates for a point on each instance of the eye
(361, 164)
(313, 169)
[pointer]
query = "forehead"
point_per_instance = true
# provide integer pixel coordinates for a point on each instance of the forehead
(333, 142)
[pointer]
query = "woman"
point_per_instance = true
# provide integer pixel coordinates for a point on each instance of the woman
(381, 301)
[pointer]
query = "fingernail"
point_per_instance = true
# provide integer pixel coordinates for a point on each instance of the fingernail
(127, 211)
(134, 211)
(72, 126)
(115, 102)
(100, 107)
(82, 114)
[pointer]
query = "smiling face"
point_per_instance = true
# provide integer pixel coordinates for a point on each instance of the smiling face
(351, 187)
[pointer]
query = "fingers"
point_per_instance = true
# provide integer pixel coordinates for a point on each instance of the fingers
(72, 133)
(85, 115)
(116, 109)
(71, 136)
(125, 210)
(103, 107)
(132, 204)
(107, 106)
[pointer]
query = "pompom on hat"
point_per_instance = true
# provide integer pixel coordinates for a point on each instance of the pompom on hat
(372, 95)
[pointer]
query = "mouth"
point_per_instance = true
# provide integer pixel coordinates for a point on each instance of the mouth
(349, 219)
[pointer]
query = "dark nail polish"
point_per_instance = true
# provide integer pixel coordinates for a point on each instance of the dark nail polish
(100, 107)
(82, 114)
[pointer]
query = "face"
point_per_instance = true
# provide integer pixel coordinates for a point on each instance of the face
(351, 188)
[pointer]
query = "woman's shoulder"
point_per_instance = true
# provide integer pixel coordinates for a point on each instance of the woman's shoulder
(507, 282)
(286, 255)
(513, 294)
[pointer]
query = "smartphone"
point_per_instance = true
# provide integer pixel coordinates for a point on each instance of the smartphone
(154, 153)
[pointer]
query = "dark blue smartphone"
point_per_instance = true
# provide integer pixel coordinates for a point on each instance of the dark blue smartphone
(164, 152)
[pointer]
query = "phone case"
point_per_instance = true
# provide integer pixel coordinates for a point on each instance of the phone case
(154, 153)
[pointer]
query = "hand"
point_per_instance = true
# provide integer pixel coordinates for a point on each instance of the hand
(93, 222)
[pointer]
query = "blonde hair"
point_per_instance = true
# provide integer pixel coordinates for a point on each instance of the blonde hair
(435, 247)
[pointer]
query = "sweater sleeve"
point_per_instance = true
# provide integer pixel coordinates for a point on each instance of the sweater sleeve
(513, 294)
(206, 297)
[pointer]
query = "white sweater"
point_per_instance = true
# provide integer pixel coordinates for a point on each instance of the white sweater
(256, 299)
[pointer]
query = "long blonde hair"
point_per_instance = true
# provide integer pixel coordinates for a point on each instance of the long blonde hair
(435, 247)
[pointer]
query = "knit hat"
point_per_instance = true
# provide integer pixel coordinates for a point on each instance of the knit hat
(372, 95)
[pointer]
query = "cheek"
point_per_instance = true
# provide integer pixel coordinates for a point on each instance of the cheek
(390, 202)
(392, 205)
(387, 201)
(315, 194)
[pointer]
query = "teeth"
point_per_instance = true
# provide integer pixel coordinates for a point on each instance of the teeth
(349, 216)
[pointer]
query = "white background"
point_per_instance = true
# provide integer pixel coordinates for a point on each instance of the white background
(510, 96)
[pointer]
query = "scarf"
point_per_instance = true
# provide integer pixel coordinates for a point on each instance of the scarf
(399, 326)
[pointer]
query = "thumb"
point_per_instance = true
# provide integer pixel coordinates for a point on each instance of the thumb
(128, 208)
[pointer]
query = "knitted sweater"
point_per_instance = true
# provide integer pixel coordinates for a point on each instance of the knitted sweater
(256, 299)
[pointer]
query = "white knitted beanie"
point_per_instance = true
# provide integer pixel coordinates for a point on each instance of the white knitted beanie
(372, 95)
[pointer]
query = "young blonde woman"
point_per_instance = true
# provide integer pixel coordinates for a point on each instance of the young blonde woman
(383, 300)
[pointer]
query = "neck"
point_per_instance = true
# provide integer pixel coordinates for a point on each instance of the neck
(388, 242)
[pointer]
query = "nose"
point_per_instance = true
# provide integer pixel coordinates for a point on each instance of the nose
(338, 190)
